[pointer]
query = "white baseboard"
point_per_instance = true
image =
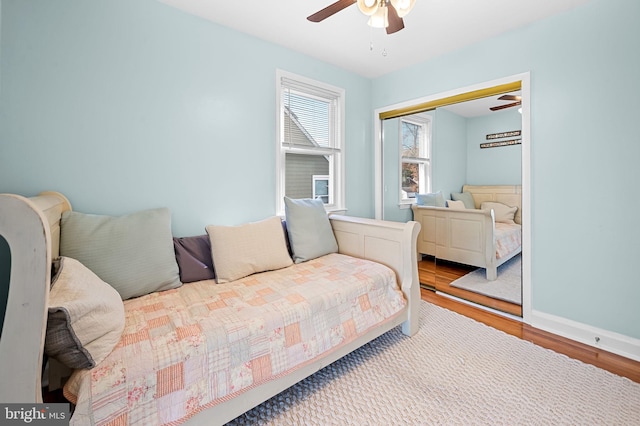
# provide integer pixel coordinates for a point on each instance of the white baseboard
(610, 341)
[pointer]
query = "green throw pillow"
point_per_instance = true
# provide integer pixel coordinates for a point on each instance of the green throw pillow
(309, 229)
(465, 197)
(132, 253)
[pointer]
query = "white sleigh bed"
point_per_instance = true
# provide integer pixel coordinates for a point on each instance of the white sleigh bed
(31, 227)
(472, 236)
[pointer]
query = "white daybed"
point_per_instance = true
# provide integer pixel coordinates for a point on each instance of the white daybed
(31, 227)
(472, 236)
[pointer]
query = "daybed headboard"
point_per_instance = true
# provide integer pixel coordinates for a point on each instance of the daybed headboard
(511, 195)
(31, 227)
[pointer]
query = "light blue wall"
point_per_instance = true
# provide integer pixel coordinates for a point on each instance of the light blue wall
(0, 47)
(449, 152)
(584, 68)
(498, 165)
(124, 105)
(391, 160)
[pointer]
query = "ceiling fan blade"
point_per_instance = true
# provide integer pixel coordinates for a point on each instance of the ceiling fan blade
(336, 7)
(499, 107)
(395, 22)
(509, 98)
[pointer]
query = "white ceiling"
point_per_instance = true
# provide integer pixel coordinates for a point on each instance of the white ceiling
(433, 27)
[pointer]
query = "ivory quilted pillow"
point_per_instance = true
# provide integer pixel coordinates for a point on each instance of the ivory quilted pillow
(456, 205)
(239, 251)
(502, 212)
(86, 316)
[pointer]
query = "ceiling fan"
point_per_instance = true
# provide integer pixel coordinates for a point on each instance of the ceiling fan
(386, 14)
(517, 101)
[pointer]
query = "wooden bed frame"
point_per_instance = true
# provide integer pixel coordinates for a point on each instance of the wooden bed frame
(467, 236)
(31, 227)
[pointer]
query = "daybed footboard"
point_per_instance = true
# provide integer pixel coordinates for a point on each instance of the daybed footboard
(391, 243)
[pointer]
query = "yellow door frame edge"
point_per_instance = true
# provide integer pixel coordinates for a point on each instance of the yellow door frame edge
(462, 97)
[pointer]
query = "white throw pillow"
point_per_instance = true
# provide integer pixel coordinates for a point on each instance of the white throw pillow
(86, 316)
(239, 251)
(502, 212)
(456, 205)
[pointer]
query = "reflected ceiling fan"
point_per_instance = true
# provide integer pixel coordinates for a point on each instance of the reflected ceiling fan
(386, 14)
(517, 100)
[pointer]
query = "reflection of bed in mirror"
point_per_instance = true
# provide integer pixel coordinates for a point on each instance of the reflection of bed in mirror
(473, 236)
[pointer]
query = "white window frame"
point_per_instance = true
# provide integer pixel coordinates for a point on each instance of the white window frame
(335, 150)
(316, 178)
(423, 160)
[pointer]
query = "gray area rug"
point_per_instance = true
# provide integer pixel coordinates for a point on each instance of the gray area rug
(508, 285)
(454, 371)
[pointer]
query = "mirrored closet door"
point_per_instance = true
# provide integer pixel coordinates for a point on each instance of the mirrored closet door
(428, 157)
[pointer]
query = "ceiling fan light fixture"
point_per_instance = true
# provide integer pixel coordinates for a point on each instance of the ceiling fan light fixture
(380, 19)
(403, 7)
(381, 13)
(368, 7)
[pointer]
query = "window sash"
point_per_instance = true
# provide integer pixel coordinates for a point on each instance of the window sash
(309, 120)
(423, 138)
(415, 160)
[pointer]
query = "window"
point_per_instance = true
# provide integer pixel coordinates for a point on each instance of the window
(415, 163)
(321, 188)
(309, 142)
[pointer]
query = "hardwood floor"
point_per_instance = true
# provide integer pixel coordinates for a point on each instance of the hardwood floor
(440, 276)
(606, 360)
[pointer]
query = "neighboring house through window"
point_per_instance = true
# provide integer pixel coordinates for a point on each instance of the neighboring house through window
(415, 158)
(310, 131)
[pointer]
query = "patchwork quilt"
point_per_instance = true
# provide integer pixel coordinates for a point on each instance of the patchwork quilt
(190, 348)
(508, 238)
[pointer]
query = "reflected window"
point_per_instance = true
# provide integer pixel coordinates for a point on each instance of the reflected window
(415, 157)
